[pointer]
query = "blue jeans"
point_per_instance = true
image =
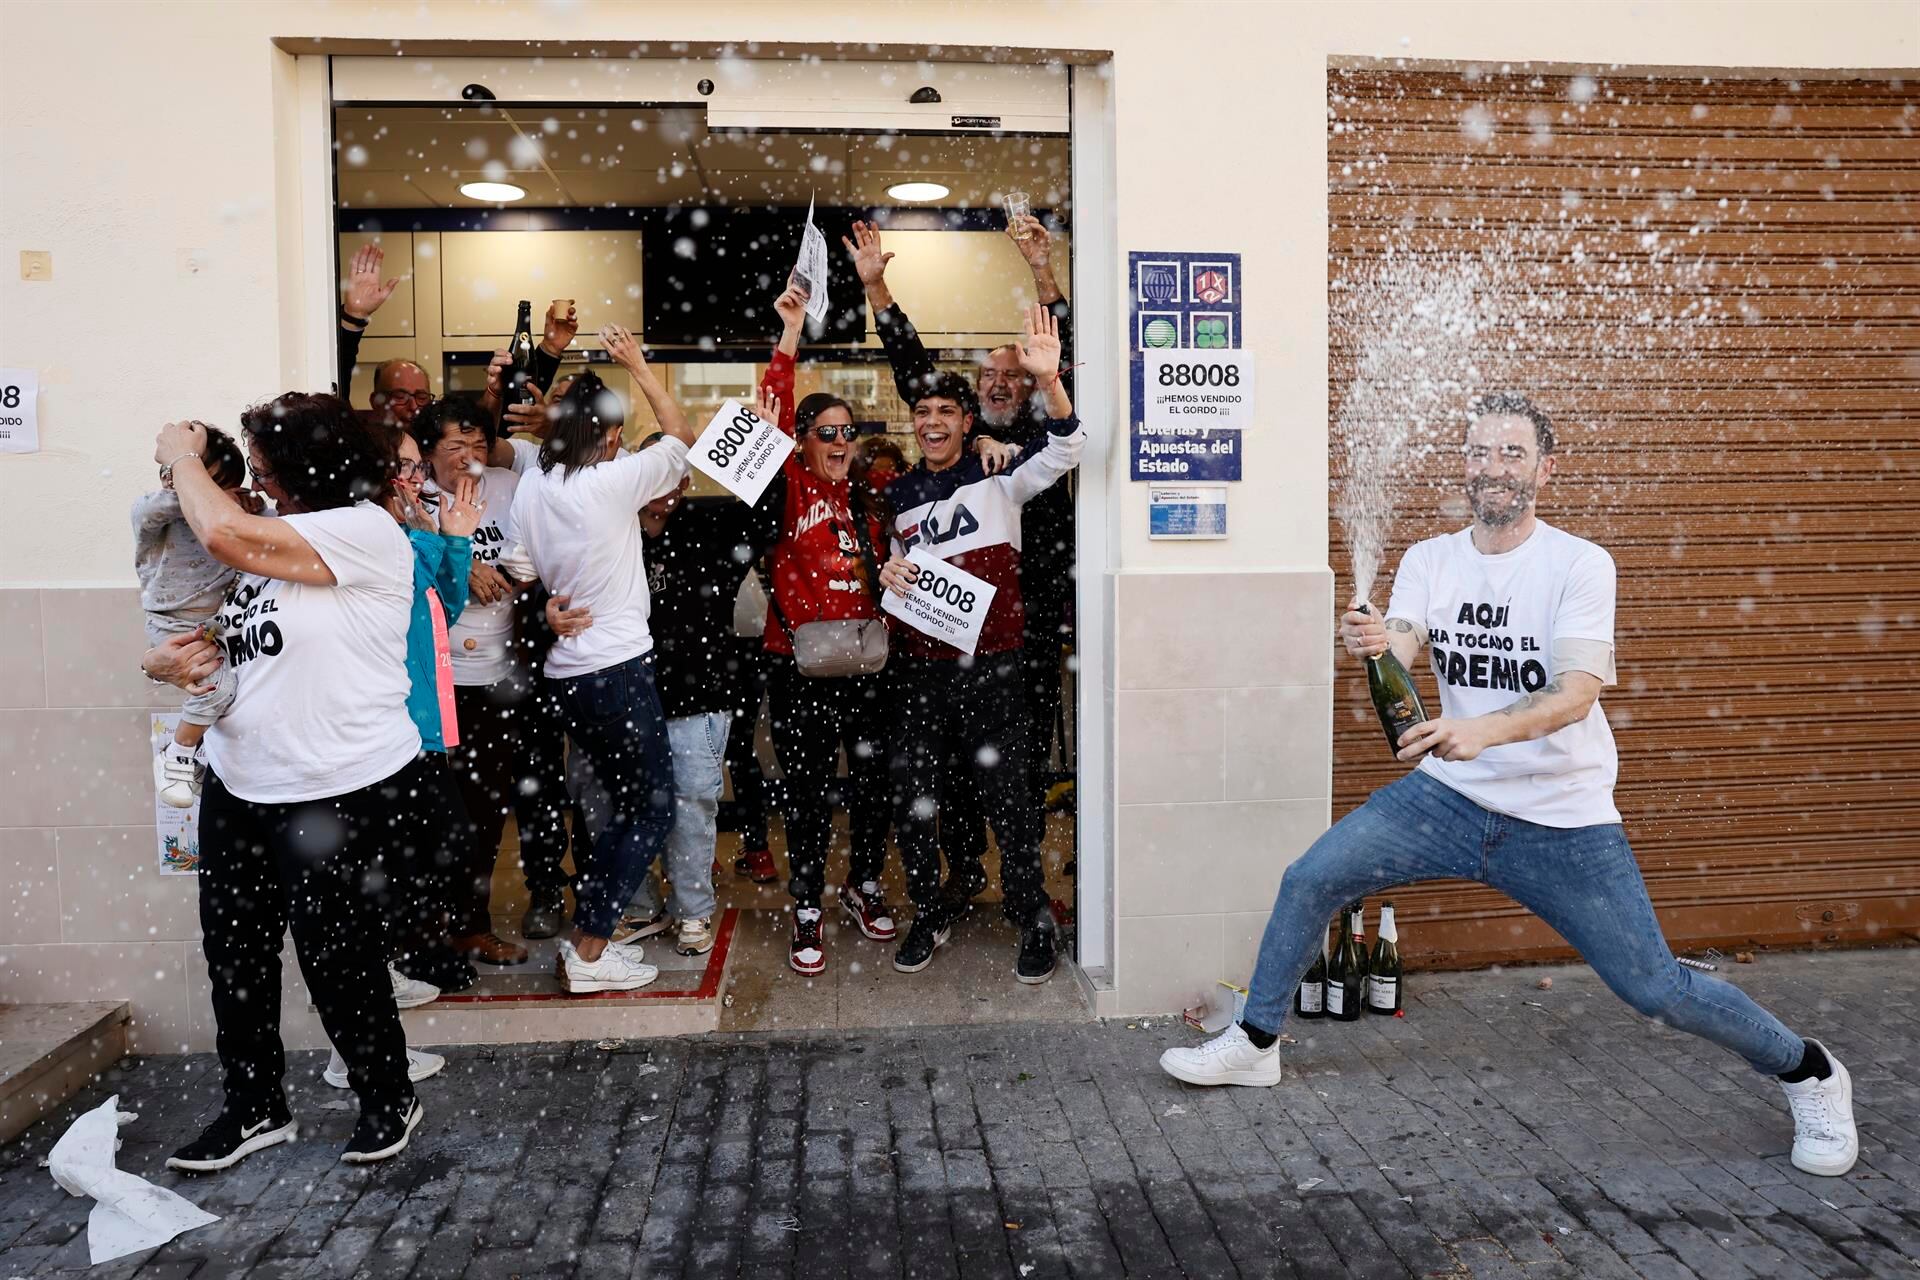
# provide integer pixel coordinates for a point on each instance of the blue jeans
(614, 718)
(1583, 881)
(698, 744)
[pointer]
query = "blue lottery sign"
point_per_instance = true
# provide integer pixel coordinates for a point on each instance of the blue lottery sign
(1181, 302)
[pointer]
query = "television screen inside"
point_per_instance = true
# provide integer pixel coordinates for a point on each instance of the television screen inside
(711, 275)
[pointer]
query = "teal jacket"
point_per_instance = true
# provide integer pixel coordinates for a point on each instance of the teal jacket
(440, 563)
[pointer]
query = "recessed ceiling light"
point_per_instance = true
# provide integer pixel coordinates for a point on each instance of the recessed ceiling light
(917, 191)
(493, 192)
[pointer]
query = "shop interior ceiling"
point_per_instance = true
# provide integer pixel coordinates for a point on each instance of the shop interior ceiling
(618, 156)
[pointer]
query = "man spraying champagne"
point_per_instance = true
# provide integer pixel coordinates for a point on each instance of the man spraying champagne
(1514, 787)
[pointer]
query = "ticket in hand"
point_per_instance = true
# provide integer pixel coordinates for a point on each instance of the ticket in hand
(742, 450)
(945, 602)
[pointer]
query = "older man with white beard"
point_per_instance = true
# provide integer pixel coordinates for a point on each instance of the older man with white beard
(1012, 414)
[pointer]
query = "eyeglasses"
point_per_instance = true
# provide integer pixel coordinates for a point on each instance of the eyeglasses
(420, 398)
(829, 434)
(412, 470)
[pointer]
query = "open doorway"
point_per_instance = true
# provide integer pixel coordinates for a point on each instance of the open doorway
(645, 216)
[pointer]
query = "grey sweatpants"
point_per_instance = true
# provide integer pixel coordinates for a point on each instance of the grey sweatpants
(199, 708)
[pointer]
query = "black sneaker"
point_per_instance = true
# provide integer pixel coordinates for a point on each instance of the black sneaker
(929, 933)
(546, 914)
(234, 1137)
(1039, 941)
(382, 1134)
(965, 882)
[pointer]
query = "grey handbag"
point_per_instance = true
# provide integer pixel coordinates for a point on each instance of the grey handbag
(834, 647)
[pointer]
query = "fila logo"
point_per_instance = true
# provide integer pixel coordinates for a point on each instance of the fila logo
(930, 531)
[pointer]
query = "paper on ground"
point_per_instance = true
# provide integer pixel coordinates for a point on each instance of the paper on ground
(810, 271)
(129, 1213)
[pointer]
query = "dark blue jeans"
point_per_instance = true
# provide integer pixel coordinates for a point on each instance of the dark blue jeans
(1583, 881)
(614, 717)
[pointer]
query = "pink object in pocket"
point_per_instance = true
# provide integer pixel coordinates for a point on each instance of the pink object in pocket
(443, 671)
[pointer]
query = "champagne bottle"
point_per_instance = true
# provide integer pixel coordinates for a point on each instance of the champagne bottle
(1383, 971)
(520, 386)
(1336, 990)
(1395, 698)
(1310, 999)
(1354, 971)
(1353, 966)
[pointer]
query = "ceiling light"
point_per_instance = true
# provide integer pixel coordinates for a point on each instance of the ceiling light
(917, 191)
(495, 192)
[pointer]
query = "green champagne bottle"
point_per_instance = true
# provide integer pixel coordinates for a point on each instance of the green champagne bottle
(1383, 971)
(1394, 696)
(1353, 967)
(520, 387)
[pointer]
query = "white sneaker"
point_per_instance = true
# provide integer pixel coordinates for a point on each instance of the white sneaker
(1228, 1058)
(617, 969)
(1825, 1140)
(420, 1066)
(410, 993)
(696, 938)
(176, 775)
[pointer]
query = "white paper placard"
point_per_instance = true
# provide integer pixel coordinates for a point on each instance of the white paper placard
(1183, 388)
(741, 450)
(19, 410)
(810, 270)
(946, 602)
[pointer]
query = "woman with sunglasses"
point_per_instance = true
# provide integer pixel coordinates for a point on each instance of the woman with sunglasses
(818, 532)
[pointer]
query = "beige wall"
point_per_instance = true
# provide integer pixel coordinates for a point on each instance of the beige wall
(140, 147)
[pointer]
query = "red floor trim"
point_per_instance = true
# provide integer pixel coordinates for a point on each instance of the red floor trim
(709, 987)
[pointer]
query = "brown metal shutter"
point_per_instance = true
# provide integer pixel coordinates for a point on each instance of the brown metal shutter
(1742, 435)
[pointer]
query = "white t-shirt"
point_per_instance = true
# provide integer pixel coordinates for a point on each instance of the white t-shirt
(1493, 622)
(579, 527)
(526, 455)
(320, 702)
(482, 641)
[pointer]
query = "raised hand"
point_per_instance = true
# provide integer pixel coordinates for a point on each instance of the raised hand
(460, 509)
(767, 406)
(563, 322)
(365, 290)
(868, 260)
(1040, 345)
(995, 455)
(1037, 247)
(791, 306)
(624, 349)
(534, 418)
(1362, 631)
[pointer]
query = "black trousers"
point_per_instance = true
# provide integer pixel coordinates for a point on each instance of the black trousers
(540, 802)
(812, 719)
(964, 726)
(484, 768)
(743, 764)
(336, 871)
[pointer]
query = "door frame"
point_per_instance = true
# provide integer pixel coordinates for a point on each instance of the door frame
(309, 275)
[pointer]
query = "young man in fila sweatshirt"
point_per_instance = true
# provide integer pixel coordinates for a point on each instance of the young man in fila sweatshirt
(973, 707)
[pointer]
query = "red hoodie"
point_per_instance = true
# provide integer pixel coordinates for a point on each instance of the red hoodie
(818, 572)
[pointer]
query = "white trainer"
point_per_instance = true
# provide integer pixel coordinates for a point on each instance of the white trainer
(617, 969)
(1228, 1058)
(420, 1066)
(176, 776)
(1825, 1140)
(410, 993)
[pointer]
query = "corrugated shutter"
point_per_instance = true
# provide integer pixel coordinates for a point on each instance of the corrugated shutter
(1722, 279)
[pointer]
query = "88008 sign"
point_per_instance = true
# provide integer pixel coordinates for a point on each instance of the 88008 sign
(1199, 375)
(733, 437)
(937, 586)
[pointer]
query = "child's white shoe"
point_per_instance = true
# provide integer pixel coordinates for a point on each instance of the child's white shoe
(176, 775)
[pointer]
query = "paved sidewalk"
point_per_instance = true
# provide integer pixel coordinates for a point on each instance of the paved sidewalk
(1497, 1131)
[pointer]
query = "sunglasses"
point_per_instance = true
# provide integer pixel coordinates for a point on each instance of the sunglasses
(828, 434)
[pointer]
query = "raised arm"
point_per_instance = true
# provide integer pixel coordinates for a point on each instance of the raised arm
(913, 368)
(252, 544)
(625, 351)
(776, 384)
(365, 294)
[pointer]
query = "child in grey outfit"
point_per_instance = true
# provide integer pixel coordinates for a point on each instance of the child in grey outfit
(182, 589)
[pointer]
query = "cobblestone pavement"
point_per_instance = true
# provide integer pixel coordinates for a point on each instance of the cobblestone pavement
(1498, 1130)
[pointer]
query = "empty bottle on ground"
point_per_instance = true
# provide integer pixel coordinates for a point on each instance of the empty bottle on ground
(1383, 971)
(1310, 1001)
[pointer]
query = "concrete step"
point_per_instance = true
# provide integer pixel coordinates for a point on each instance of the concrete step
(49, 1052)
